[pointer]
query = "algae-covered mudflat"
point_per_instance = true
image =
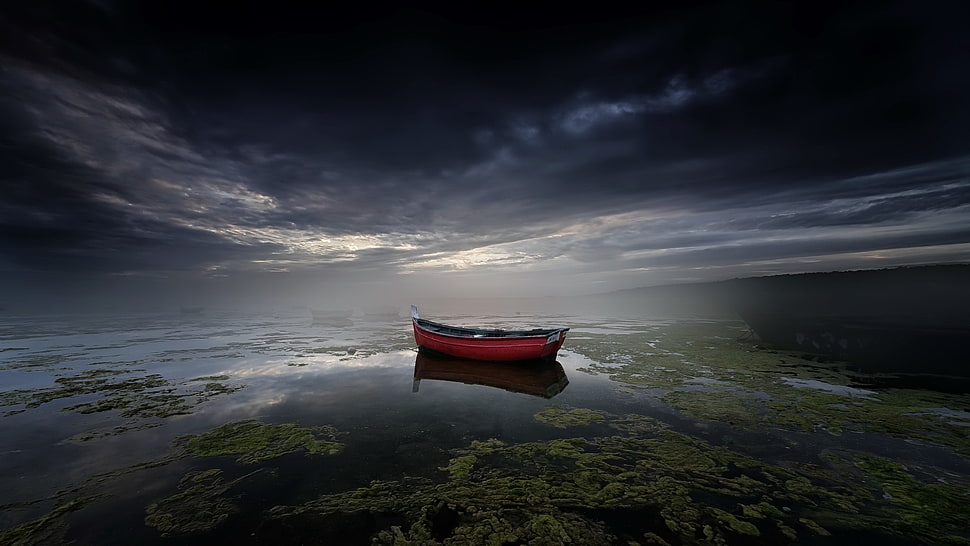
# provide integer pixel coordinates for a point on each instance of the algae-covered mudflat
(275, 429)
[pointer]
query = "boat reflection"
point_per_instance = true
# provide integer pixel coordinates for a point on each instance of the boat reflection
(536, 378)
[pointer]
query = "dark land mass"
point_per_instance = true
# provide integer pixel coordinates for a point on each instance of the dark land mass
(909, 319)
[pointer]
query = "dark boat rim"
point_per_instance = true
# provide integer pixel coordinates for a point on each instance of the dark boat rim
(479, 333)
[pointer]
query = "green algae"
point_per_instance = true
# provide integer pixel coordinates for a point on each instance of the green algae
(700, 493)
(137, 399)
(661, 472)
(256, 442)
(87, 382)
(200, 507)
(459, 467)
(732, 522)
(440, 522)
(560, 417)
(487, 446)
(685, 490)
(47, 529)
(740, 410)
(706, 372)
(203, 503)
(761, 510)
(140, 401)
(35, 361)
(814, 527)
(926, 508)
(97, 434)
(211, 378)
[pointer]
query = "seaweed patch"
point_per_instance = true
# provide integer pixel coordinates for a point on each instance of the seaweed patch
(255, 442)
(684, 491)
(138, 399)
(706, 372)
(201, 506)
(560, 417)
(47, 529)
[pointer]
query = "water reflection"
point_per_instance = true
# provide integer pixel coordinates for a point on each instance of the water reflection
(537, 378)
(93, 409)
(332, 317)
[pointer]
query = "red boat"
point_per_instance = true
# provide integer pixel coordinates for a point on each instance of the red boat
(484, 344)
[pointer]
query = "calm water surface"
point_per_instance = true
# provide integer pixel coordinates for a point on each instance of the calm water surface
(647, 430)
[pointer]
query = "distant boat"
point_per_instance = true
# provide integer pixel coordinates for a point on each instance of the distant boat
(543, 378)
(486, 344)
(192, 310)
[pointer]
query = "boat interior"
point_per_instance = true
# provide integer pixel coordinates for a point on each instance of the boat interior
(481, 332)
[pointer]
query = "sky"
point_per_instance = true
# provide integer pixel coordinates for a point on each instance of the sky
(165, 153)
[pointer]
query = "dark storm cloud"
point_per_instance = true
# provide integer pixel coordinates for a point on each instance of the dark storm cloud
(140, 137)
(80, 166)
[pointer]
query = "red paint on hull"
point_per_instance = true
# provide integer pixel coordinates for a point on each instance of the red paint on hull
(491, 348)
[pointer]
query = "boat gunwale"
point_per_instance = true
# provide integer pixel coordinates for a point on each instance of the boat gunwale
(460, 332)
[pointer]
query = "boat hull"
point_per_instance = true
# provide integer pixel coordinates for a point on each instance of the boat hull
(486, 345)
(504, 349)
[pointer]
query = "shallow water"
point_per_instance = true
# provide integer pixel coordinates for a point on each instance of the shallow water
(749, 445)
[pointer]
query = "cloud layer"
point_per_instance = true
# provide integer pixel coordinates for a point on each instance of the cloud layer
(487, 153)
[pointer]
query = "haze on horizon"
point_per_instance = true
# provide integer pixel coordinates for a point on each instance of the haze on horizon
(165, 154)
